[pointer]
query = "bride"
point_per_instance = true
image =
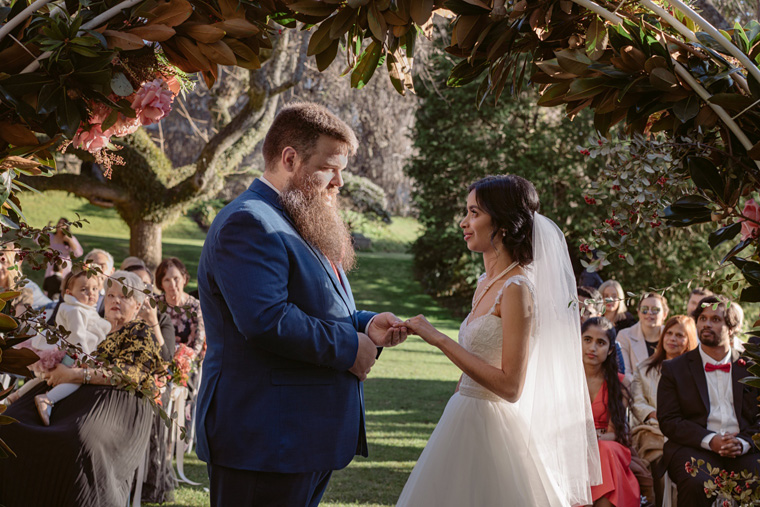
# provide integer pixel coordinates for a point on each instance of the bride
(519, 430)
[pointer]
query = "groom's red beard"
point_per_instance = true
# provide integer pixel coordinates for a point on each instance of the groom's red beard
(318, 222)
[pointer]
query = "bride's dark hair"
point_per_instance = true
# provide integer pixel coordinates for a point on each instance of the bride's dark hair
(510, 201)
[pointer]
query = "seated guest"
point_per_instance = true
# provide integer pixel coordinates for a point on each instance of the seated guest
(131, 261)
(695, 297)
(65, 244)
(591, 305)
(678, 337)
(159, 483)
(98, 435)
(609, 398)
(51, 286)
(99, 258)
(639, 341)
(704, 411)
(616, 310)
(172, 278)
(11, 278)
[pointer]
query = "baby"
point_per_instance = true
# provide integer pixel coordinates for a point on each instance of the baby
(78, 315)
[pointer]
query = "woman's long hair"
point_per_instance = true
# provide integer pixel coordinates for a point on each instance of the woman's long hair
(691, 340)
(617, 393)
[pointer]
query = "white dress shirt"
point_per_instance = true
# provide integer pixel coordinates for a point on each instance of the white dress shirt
(722, 418)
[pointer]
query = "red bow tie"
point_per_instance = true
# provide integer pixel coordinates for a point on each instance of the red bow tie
(722, 367)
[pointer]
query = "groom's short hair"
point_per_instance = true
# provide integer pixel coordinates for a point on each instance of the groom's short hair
(299, 125)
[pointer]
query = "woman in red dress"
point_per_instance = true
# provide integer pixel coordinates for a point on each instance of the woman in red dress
(609, 397)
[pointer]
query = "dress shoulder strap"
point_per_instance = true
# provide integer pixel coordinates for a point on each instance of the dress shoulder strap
(517, 280)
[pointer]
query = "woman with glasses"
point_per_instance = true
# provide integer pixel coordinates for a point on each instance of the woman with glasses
(639, 341)
(615, 309)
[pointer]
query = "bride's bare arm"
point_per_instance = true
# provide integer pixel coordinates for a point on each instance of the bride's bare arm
(507, 381)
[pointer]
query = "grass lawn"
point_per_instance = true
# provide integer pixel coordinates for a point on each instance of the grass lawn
(407, 389)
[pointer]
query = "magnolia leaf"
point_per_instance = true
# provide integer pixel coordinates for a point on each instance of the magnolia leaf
(238, 28)
(596, 39)
(342, 22)
(366, 66)
(326, 57)
(705, 175)
(154, 33)
(724, 234)
(663, 80)
(170, 14)
(218, 52)
(207, 34)
(687, 108)
(420, 11)
(376, 22)
(123, 40)
(320, 40)
(313, 8)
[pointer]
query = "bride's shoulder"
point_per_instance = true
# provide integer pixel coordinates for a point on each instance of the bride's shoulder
(517, 288)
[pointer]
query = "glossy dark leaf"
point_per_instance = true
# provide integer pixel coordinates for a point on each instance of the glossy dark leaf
(750, 295)
(687, 108)
(736, 249)
(464, 72)
(724, 234)
(706, 176)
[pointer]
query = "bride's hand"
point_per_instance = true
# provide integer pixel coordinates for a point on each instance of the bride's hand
(420, 326)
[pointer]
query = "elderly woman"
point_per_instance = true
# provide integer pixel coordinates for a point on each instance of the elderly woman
(679, 335)
(172, 278)
(615, 309)
(97, 436)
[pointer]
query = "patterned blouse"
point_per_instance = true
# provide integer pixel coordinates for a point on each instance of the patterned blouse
(134, 350)
(188, 323)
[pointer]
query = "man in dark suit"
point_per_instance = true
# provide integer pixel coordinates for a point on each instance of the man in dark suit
(703, 409)
(281, 402)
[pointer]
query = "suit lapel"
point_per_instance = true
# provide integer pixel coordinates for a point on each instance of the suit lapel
(737, 373)
(698, 372)
(273, 199)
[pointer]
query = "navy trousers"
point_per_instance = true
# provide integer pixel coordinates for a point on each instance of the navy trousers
(231, 487)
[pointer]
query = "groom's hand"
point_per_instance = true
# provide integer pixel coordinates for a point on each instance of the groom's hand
(387, 330)
(365, 357)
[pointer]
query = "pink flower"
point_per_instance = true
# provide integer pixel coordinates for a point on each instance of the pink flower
(124, 126)
(99, 113)
(92, 140)
(752, 212)
(153, 101)
(740, 362)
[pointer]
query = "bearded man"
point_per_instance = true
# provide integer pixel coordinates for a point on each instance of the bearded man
(704, 409)
(281, 402)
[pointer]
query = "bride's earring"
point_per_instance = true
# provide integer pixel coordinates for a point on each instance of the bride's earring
(503, 233)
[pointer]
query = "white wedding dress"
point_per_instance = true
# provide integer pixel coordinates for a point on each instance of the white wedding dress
(478, 453)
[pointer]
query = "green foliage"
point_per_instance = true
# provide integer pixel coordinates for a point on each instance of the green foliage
(364, 196)
(458, 144)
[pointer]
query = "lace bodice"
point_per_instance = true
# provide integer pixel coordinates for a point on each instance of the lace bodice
(482, 336)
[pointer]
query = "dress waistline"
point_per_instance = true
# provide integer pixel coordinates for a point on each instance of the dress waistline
(480, 392)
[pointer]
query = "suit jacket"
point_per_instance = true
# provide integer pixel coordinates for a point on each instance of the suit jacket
(634, 348)
(683, 403)
(644, 391)
(281, 329)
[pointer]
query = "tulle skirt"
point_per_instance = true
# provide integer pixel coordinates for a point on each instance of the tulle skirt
(477, 456)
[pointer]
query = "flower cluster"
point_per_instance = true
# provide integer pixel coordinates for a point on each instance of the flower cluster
(740, 487)
(182, 364)
(751, 221)
(151, 103)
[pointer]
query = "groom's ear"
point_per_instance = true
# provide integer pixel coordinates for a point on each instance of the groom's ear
(288, 159)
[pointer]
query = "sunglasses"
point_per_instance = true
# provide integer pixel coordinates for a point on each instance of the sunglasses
(653, 310)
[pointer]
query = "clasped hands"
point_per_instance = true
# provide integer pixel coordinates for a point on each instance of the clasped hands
(727, 445)
(386, 330)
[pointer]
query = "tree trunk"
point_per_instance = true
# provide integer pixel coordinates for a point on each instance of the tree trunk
(145, 242)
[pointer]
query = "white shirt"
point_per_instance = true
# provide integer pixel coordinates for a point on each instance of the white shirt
(722, 416)
(269, 184)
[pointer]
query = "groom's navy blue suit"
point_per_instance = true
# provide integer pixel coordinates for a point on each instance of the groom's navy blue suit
(281, 329)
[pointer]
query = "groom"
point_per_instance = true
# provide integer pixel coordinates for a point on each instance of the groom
(281, 402)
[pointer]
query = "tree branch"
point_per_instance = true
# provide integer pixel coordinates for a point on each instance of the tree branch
(102, 194)
(234, 141)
